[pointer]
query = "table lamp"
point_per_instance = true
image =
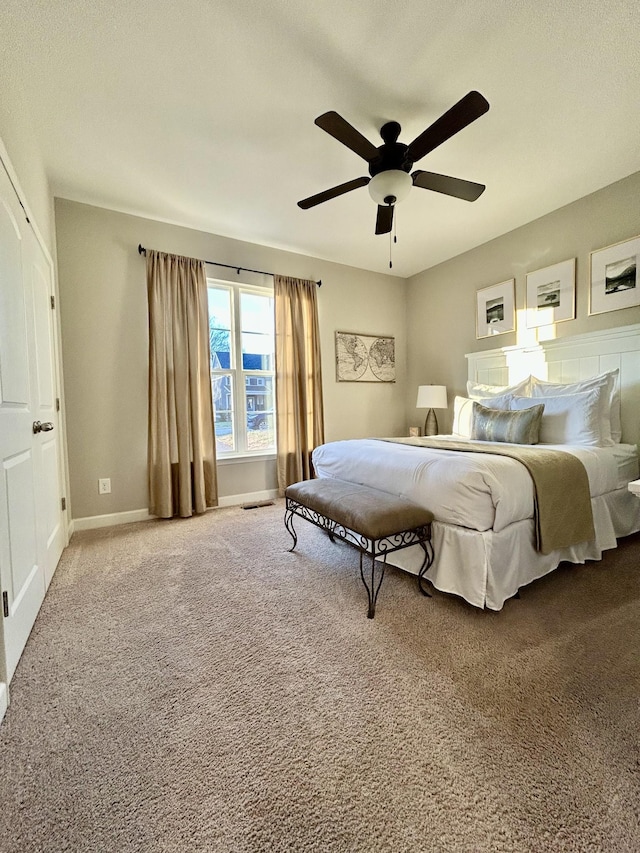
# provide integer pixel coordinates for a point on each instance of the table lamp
(431, 397)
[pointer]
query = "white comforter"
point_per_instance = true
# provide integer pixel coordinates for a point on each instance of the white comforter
(472, 490)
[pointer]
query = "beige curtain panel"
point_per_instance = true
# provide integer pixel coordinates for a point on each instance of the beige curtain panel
(299, 406)
(182, 462)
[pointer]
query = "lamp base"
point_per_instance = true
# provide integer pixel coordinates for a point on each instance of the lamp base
(431, 423)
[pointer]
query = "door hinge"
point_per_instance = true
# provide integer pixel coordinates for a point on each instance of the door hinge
(53, 302)
(64, 503)
(5, 604)
(57, 404)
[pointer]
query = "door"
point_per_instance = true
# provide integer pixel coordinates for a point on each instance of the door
(30, 532)
(46, 446)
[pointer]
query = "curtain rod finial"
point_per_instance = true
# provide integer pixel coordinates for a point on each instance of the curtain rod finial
(141, 249)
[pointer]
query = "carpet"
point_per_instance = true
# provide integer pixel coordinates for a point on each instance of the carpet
(191, 686)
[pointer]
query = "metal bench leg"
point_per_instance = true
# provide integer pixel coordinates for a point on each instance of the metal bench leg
(330, 528)
(288, 523)
(372, 588)
(427, 547)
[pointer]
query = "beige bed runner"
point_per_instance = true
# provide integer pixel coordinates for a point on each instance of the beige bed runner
(562, 509)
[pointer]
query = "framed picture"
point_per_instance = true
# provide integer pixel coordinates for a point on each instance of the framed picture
(365, 358)
(551, 294)
(496, 310)
(614, 277)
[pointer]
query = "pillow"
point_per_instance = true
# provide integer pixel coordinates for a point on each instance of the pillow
(476, 390)
(500, 401)
(610, 426)
(519, 427)
(568, 418)
(463, 409)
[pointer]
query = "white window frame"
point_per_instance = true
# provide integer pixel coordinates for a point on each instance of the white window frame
(238, 373)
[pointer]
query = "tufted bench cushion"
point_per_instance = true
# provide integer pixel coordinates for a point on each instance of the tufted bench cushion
(375, 522)
(370, 512)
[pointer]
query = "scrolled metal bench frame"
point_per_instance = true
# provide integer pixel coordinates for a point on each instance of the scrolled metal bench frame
(373, 548)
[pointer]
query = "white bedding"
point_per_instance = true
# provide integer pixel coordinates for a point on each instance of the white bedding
(468, 489)
(483, 509)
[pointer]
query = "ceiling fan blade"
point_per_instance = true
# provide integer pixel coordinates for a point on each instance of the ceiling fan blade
(340, 129)
(326, 195)
(467, 190)
(468, 109)
(384, 219)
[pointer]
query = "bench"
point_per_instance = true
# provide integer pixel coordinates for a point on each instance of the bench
(376, 523)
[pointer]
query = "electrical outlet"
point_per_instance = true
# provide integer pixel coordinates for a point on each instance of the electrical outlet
(104, 486)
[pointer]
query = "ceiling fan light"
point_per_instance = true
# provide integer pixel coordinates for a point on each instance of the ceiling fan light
(392, 182)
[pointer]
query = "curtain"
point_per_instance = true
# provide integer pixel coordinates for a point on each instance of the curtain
(181, 455)
(299, 407)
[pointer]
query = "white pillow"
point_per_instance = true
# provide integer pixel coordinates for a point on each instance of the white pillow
(610, 426)
(463, 410)
(500, 401)
(568, 418)
(476, 390)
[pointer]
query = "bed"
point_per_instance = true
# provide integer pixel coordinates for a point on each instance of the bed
(484, 504)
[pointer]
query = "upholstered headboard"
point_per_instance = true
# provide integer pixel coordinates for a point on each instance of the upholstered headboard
(568, 360)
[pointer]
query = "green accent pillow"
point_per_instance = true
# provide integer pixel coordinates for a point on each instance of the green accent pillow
(495, 425)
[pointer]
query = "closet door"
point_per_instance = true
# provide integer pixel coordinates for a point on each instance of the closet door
(27, 477)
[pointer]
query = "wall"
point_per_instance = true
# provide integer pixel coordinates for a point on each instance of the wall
(441, 302)
(17, 135)
(432, 316)
(103, 306)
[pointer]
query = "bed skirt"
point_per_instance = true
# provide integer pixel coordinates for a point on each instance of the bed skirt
(487, 568)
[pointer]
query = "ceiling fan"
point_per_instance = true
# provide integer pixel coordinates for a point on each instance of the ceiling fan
(390, 164)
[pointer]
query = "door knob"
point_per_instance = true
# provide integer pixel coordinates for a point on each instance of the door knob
(47, 426)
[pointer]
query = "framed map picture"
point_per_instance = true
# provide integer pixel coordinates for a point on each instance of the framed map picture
(365, 358)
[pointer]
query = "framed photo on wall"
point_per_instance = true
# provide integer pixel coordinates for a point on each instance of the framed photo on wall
(495, 309)
(614, 277)
(551, 294)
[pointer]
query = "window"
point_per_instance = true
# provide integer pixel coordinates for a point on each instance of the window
(241, 338)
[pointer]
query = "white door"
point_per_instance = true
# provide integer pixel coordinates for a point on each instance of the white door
(28, 474)
(46, 446)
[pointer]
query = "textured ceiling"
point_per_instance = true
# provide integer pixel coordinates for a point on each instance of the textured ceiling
(202, 113)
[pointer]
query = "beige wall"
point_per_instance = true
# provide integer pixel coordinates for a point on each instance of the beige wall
(17, 135)
(441, 302)
(104, 339)
(432, 316)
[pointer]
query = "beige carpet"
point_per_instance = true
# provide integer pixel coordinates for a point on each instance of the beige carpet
(191, 686)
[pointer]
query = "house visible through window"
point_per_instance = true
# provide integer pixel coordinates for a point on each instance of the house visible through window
(241, 339)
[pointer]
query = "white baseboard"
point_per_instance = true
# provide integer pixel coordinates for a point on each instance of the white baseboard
(3, 700)
(110, 520)
(91, 522)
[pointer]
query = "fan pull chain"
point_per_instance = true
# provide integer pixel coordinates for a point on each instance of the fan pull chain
(395, 239)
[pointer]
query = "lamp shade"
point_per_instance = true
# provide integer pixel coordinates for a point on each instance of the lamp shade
(392, 182)
(432, 397)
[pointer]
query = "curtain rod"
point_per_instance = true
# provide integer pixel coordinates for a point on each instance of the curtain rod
(143, 251)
